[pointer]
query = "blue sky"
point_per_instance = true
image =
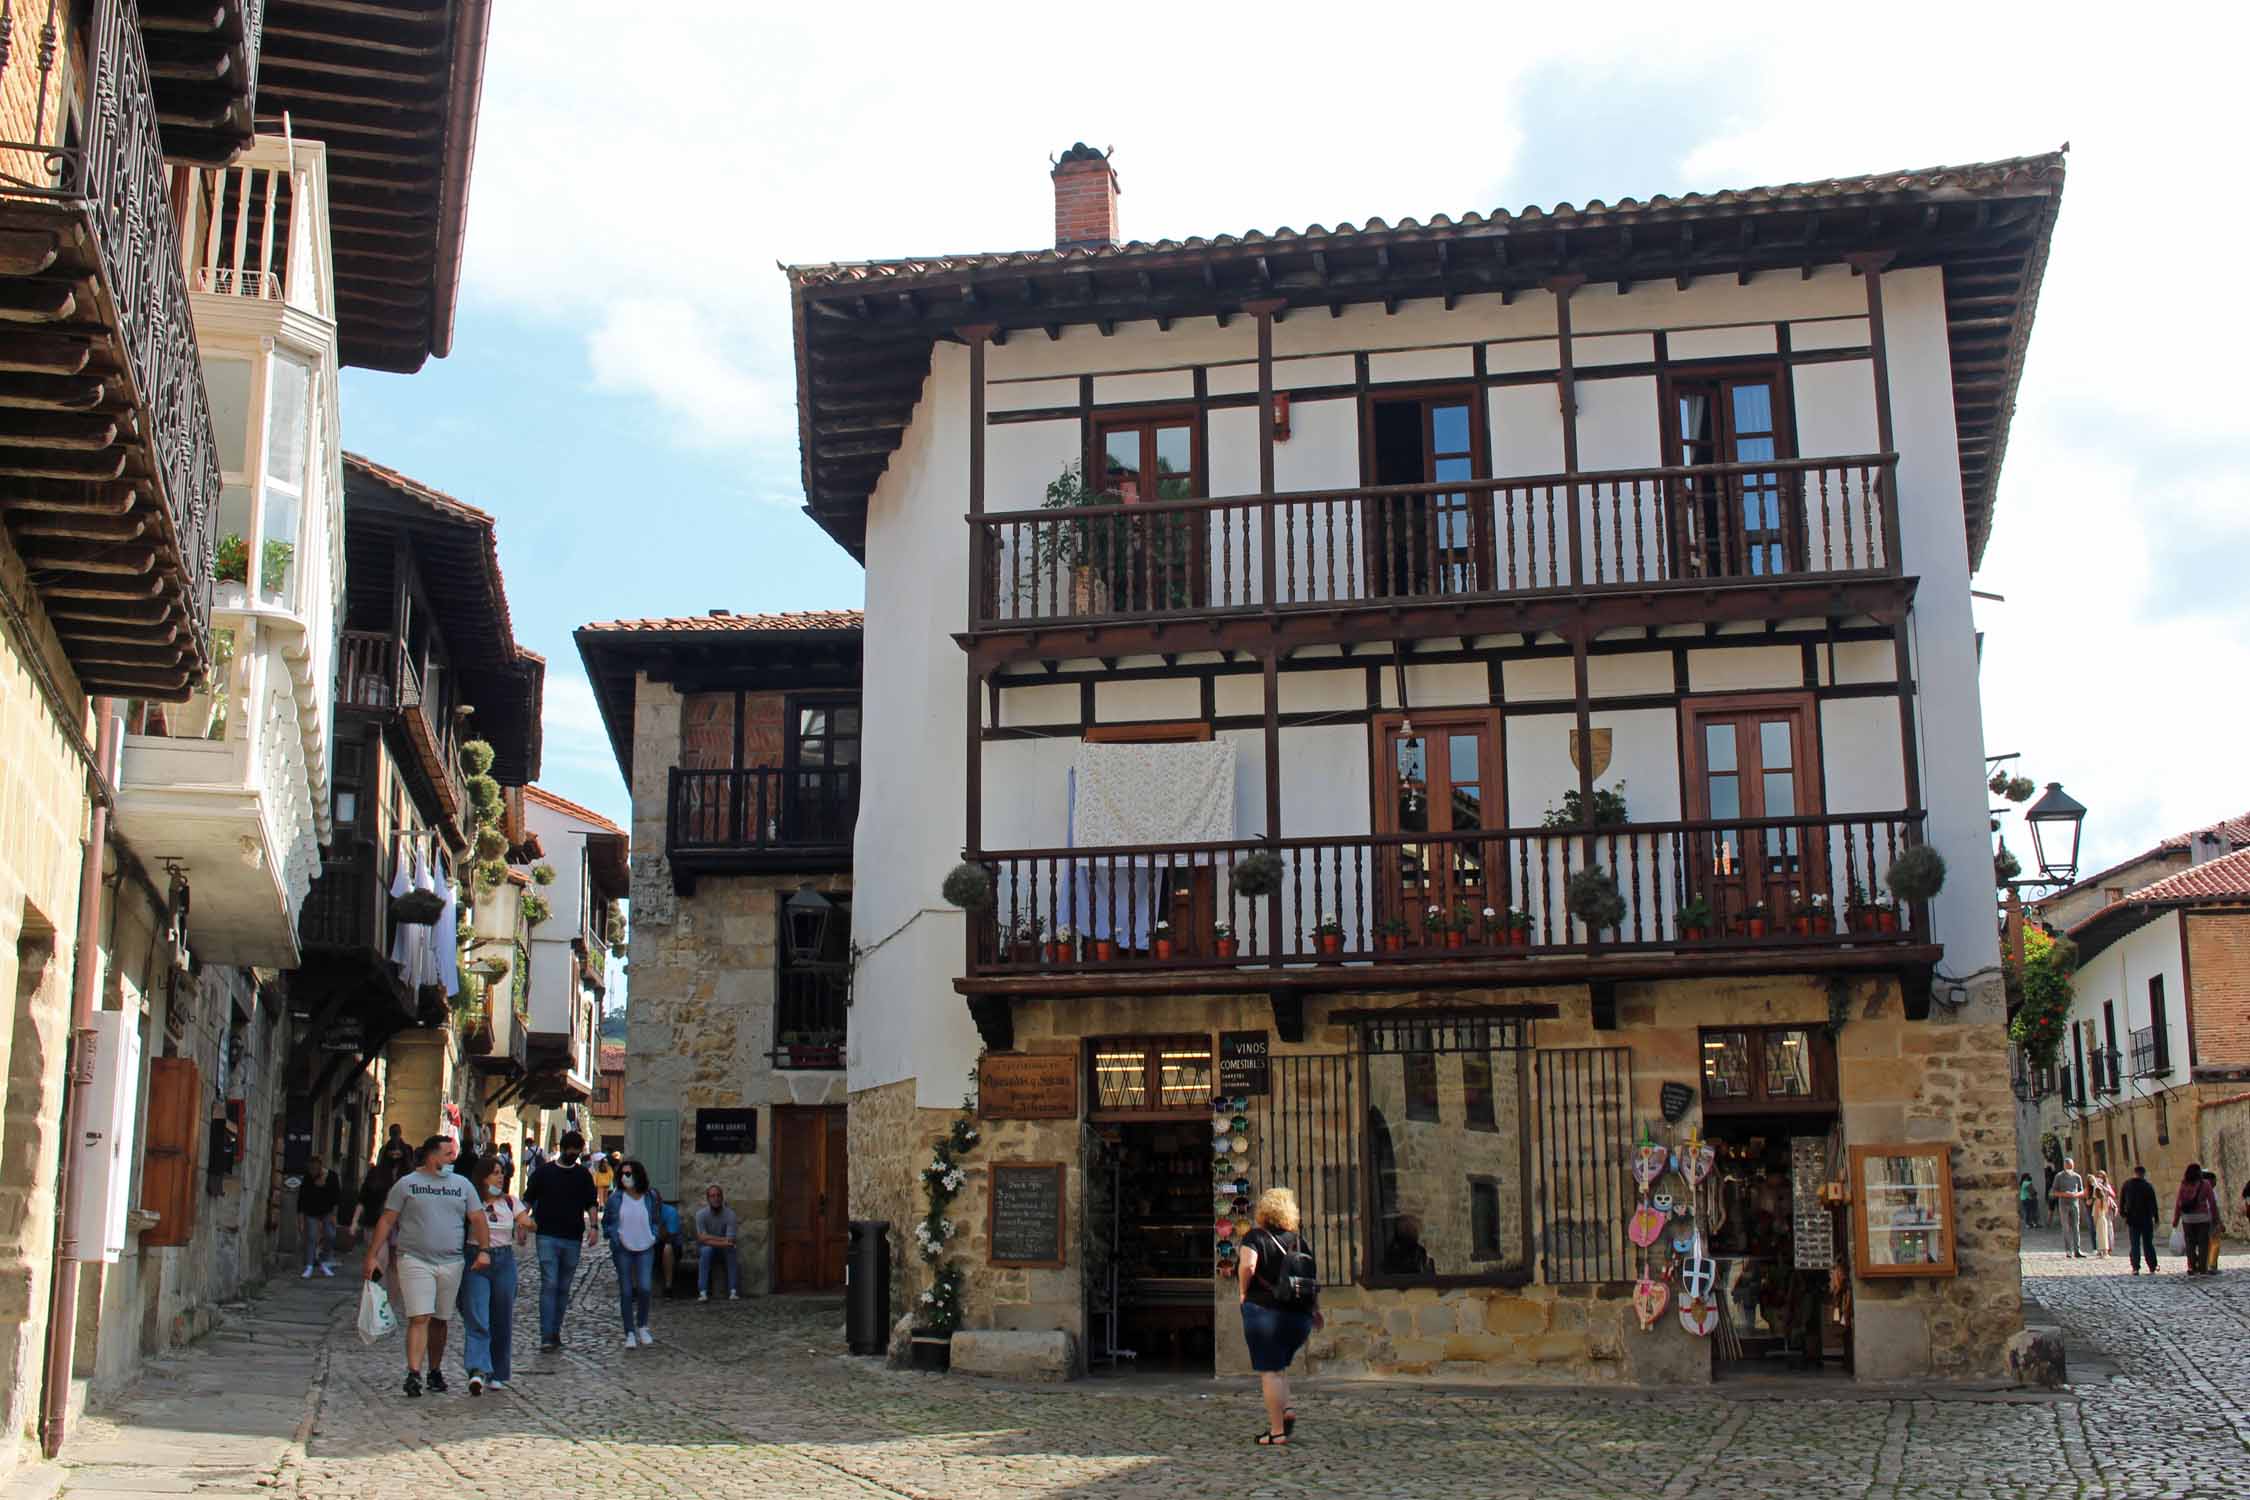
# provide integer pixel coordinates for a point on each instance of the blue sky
(620, 393)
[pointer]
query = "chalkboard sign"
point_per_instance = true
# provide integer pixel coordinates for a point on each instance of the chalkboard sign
(1243, 1065)
(1024, 1214)
(726, 1132)
(1675, 1100)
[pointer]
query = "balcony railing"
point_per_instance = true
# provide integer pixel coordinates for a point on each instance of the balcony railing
(1317, 550)
(809, 1017)
(375, 675)
(1774, 883)
(111, 288)
(2107, 1069)
(764, 809)
(2152, 1052)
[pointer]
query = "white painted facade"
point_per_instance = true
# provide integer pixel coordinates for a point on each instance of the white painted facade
(2122, 982)
(234, 784)
(565, 999)
(909, 1021)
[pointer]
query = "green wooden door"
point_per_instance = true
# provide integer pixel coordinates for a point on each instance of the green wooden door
(653, 1139)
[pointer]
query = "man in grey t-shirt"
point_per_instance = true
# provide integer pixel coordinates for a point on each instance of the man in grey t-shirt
(432, 1214)
(2069, 1192)
(716, 1229)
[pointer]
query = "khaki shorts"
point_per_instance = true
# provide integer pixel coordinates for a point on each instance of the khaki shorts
(428, 1288)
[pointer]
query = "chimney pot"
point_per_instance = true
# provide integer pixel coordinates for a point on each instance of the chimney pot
(719, 614)
(1085, 199)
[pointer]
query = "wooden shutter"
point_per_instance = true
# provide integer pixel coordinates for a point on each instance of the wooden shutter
(172, 1158)
(655, 1142)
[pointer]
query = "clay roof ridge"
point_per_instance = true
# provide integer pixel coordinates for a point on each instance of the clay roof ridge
(810, 619)
(569, 808)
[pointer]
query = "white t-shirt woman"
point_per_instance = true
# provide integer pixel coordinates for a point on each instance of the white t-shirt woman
(634, 1231)
(503, 1216)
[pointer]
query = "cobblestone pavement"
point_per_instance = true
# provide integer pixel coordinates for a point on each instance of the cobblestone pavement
(756, 1397)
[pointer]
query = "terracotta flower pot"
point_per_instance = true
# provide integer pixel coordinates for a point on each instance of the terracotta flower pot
(1393, 942)
(1162, 947)
(1754, 927)
(1021, 953)
(1331, 942)
(1105, 949)
(1519, 937)
(1456, 939)
(1226, 947)
(1692, 934)
(1802, 922)
(1886, 920)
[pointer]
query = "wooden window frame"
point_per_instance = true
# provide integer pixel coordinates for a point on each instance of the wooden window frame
(1145, 420)
(1152, 1086)
(1803, 709)
(1936, 1151)
(1383, 809)
(1778, 374)
(1825, 1098)
(1470, 393)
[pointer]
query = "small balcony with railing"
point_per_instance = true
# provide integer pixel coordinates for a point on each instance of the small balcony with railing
(1488, 906)
(376, 675)
(811, 1008)
(761, 819)
(1720, 541)
(106, 444)
(2105, 1072)
(2151, 1052)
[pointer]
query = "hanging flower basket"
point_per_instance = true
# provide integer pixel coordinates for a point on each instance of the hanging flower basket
(417, 908)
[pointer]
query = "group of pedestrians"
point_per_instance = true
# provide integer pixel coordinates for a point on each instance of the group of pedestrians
(2087, 1210)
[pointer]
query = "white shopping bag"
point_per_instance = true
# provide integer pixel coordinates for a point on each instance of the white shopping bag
(376, 1320)
(2179, 1240)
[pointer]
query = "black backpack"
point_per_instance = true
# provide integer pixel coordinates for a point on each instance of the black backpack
(1294, 1283)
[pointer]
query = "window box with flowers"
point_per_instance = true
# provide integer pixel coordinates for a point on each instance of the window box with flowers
(1222, 936)
(1328, 936)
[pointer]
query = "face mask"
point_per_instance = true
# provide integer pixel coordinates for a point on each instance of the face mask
(630, 1180)
(493, 1190)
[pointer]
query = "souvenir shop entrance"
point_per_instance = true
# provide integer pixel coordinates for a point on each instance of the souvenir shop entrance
(1777, 1239)
(1149, 1297)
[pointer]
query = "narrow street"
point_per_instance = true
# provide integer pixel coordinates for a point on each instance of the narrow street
(757, 1397)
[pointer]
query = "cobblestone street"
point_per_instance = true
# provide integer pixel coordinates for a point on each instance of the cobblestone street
(757, 1397)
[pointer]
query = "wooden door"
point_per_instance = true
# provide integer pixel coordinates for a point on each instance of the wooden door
(1437, 542)
(1157, 561)
(1437, 774)
(170, 1164)
(1725, 526)
(1752, 758)
(811, 1193)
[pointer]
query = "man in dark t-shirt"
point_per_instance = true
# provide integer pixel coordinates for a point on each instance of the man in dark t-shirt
(397, 1157)
(560, 1195)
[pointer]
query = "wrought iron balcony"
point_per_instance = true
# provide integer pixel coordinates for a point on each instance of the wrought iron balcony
(810, 1016)
(1319, 553)
(1771, 885)
(2152, 1052)
(107, 457)
(764, 818)
(2105, 1068)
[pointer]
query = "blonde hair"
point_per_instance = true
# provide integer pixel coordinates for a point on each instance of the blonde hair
(1277, 1209)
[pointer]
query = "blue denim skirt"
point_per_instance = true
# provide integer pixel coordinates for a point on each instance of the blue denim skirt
(1274, 1334)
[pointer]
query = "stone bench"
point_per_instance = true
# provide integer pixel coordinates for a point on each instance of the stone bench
(1015, 1355)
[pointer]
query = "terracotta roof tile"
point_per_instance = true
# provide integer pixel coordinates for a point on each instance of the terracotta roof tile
(718, 621)
(569, 808)
(2226, 878)
(613, 1058)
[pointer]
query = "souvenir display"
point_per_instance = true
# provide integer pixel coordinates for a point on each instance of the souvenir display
(1649, 1298)
(1646, 1226)
(1695, 1158)
(1699, 1315)
(1650, 1161)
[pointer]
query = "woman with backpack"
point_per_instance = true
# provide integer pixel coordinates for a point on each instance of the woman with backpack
(2192, 1212)
(1280, 1295)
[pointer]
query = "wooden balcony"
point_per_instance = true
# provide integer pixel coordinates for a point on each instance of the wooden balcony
(204, 56)
(763, 819)
(376, 676)
(1405, 911)
(494, 1040)
(1810, 536)
(108, 464)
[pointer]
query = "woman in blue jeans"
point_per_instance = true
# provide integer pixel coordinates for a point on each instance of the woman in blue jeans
(633, 1222)
(488, 1293)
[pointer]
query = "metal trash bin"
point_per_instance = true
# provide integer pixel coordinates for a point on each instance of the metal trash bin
(867, 1287)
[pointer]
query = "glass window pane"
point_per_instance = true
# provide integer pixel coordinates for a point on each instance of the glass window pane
(1468, 807)
(843, 752)
(277, 553)
(234, 512)
(1121, 453)
(1753, 450)
(228, 381)
(812, 723)
(847, 718)
(1451, 468)
(1726, 1065)
(289, 403)
(1788, 1064)
(1175, 450)
(1461, 750)
(1421, 1086)
(1695, 421)
(1725, 798)
(1781, 794)
(1718, 747)
(1476, 1091)
(1753, 409)
(1121, 1078)
(1776, 747)
(1449, 429)
(1183, 1075)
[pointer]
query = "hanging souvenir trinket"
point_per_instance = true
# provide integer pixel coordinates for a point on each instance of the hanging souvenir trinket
(1649, 1160)
(1699, 1315)
(1650, 1295)
(1646, 1226)
(1695, 1159)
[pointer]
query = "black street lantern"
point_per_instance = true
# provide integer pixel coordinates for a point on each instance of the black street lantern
(808, 913)
(2055, 820)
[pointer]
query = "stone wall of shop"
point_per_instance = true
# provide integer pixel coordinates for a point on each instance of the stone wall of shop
(1943, 1079)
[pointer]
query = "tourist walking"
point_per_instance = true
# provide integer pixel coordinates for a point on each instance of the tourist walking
(317, 1196)
(488, 1292)
(426, 1211)
(2191, 1212)
(1280, 1299)
(2218, 1224)
(632, 1220)
(2028, 1196)
(2101, 1200)
(2136, 1204)
(2068, 1192)
(560, 1195)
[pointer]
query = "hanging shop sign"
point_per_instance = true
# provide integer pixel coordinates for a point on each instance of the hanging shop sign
(726, 1132)
(1027, 1086)
(1813, 1234)
(1245, 1065)
(1025, 1213)
(1675, 1100)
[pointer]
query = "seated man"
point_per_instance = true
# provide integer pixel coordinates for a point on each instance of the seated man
(670, 1248)
(716, 1229)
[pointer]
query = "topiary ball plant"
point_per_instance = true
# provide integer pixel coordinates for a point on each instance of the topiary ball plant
(476, 757)
(1918, 874)
(1594, 899)
(484, 796)
(1257, 875)
(968, 886)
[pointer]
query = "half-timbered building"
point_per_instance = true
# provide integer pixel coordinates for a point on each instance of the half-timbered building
(1455, 693)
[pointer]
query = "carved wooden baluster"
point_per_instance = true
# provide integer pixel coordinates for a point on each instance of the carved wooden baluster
(1296, 916)
(1360, 904)
(1868, 479)
(1640, 537)
(1289, 552)
(1633, 857)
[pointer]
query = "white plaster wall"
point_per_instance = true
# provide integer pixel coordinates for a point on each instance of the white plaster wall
(1859, 755)
(2120, 974)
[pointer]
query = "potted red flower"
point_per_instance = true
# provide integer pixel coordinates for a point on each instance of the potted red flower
(1223, 936)
(1516, 924)
(1391, 933)
(1695, 921)
(1328, 935)
(1754, 920)
(1160, 942)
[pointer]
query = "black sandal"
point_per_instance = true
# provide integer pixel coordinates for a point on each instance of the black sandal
(1288, 1421)
(1273, 1439)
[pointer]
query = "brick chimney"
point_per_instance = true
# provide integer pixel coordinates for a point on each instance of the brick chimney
(1085, 199)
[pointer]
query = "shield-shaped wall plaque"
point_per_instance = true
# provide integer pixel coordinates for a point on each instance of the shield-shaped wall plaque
(1601, 751)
